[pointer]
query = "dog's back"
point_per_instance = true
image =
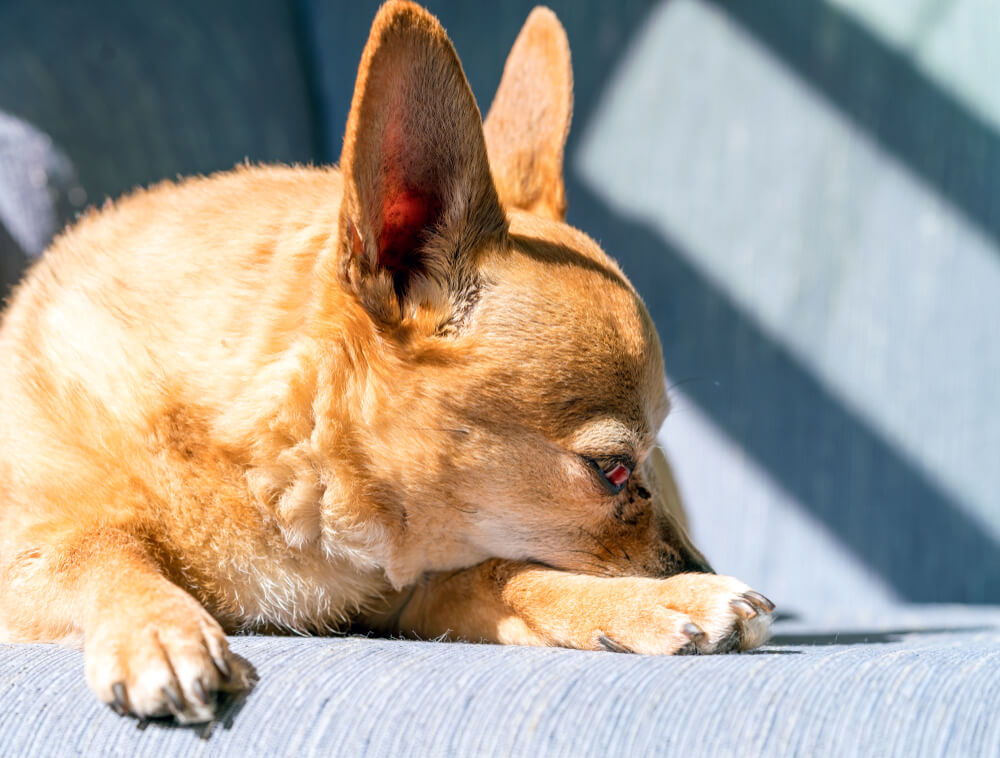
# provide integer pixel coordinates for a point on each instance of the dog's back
(143, 356)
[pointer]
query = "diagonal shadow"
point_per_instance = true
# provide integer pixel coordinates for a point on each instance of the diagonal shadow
(879, 506)
(880, 90)
(334, 34)
(882, 508)
(880, 637)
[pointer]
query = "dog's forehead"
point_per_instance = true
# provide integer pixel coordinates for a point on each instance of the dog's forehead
(564, 279)
(583, 338)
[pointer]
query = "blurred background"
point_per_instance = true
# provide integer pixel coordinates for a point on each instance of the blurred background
(805, 192)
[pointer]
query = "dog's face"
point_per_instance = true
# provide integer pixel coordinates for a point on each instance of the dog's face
(563, 416)
(527, 376)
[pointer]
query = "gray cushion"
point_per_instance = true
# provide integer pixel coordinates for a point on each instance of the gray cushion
(913, 681)
(37, 187)
(139, 92)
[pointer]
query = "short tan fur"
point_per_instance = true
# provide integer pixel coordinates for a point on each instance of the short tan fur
(388, 393)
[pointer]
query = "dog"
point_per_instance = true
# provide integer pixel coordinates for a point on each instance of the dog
(402, 394)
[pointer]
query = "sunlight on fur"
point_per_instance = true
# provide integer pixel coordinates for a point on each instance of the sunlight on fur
(401, 394)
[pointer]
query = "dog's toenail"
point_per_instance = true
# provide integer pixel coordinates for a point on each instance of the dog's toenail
(757, 599)
(200, 692)
(223, 665)
(611, 646)
(693, 632)
(174, 701)
(743, 608)
(119, 704)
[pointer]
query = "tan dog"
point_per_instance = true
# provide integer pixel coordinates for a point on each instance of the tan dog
(403, 393)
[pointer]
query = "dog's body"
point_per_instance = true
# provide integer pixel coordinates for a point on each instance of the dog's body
(402, 393)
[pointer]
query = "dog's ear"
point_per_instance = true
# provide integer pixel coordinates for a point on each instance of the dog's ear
(419, 200)
(528, 122)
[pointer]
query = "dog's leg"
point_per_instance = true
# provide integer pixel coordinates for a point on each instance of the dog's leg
(527, 604)
(149, 647)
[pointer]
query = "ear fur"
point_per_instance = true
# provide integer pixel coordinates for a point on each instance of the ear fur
(418, 195)
(528, 122)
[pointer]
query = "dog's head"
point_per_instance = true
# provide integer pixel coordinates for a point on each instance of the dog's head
(514, 408)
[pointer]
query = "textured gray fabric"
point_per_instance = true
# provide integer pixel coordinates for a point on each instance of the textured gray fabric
(37, 187)
(911, 682)
(136, 92)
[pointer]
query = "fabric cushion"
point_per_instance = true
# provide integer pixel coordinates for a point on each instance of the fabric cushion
(139, 92)
(37, 187)
(913, 681)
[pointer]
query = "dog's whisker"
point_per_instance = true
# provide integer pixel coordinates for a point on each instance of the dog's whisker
(597, 566)
(596, 539)
(595, 556)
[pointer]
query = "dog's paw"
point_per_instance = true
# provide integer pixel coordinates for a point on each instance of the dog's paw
(170, 658)
(651, 630)
(687, 613)
(730, 614)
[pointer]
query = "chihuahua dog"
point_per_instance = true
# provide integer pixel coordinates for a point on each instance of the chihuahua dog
(402, 393)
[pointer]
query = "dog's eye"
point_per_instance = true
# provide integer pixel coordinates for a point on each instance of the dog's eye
(613, 476)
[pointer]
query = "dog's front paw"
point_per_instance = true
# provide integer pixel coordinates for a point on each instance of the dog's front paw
(687, 613)
(169, 658)
(730, 614)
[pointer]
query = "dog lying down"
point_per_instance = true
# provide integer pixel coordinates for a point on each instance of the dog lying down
(401, 393)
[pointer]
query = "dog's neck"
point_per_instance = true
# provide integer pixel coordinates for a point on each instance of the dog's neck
(327, 470)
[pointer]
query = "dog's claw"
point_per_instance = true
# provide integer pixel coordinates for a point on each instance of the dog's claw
(200, 692)
(696, 638)
(693, 632)
(223, 666)
(174, 701)
(760, 601)
(611, 646)
(743, 608)
(118, 705)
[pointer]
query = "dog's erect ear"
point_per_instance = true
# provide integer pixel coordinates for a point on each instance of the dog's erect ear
(418, 196)
(528, 122)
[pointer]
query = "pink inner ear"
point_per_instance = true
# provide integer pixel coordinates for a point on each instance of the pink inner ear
(409, 207)
(406, 216)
